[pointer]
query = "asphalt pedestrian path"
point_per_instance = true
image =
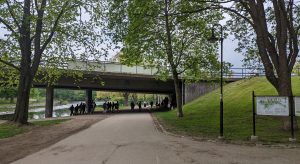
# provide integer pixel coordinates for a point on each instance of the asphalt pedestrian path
(133, 138)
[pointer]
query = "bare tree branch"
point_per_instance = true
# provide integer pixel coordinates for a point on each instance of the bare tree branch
(54, 26)
(10, 28)
(10, 64)
(13, 15)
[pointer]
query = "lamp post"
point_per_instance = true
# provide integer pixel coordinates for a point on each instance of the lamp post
(213, 38)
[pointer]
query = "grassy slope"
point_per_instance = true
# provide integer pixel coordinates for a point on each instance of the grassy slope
(202, 115)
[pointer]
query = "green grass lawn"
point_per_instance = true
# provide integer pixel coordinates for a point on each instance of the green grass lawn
(201, 117)
(10, 130)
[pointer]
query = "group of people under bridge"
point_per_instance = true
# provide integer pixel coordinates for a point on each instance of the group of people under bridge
(108, 106)
(82, 109)
(164, 104)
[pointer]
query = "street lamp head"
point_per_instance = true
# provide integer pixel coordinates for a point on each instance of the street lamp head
(213, 37)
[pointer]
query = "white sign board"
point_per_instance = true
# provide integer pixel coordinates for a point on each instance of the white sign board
(297, 106)
(273, 106)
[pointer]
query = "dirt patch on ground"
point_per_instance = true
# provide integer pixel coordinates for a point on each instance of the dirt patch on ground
(37, 138)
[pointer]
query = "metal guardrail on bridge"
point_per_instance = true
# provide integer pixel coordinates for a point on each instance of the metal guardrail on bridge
(115, 67)
(250, 72)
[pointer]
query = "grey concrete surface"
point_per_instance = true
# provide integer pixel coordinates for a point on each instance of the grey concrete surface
(133, 139)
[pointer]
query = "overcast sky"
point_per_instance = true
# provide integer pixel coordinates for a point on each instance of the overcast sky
(229, 46)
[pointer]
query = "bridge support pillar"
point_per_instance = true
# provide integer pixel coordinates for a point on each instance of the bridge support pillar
(49, 102)
(89, 100)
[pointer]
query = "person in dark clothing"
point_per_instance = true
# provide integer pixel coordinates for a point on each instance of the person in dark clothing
(76, 109)
(94, 106)
(132, 105)
(166, 102)
(89, 108)
(81, 108)
(109, 106)
(71, 110)
(151, 104)
(145, 105)
(140, 105)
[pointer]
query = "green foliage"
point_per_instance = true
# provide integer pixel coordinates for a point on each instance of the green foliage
(69, 95)
(8, 93)
(202, 115)
(35, 93)
(78, 35)
(141, 26)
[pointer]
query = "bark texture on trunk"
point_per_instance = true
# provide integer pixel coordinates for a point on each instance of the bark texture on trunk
(285, 89)
(22, 104)
(170, 59)
(278, 45)
(25, 81)
(178, 96)
(49, 102)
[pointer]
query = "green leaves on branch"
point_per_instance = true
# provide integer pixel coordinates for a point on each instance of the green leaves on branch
(141, 26)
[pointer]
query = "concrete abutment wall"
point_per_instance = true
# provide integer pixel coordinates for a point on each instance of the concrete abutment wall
(194, 90)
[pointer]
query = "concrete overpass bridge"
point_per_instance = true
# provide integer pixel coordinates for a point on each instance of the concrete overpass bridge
(112, 77)
(107, 76)
(117, 77)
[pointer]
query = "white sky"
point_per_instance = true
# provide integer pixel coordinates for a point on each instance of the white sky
(230, 55)
(229, 46)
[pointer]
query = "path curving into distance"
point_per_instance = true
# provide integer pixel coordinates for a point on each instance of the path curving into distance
(133, 139)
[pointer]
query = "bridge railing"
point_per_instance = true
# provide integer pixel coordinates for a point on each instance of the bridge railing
(111, 67)
(114, 67)
(241, 73)
(250, 72)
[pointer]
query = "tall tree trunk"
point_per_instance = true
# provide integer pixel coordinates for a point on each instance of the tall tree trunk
(171, 59)
(178, 96)
(285, 89)
(22, 105)
(26, 77)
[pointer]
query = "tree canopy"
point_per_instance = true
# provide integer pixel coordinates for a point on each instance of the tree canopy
(158, 34)
(46, 33)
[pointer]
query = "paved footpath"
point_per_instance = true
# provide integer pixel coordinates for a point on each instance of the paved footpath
(133, 139)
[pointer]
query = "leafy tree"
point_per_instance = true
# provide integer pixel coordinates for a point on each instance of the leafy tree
(8, 93)
(47, 33)
(156, 34)
(35, 93)
(268, 31)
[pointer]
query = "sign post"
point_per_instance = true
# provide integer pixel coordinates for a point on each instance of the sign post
(292, 113)
(291, 99)
(253, 137)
